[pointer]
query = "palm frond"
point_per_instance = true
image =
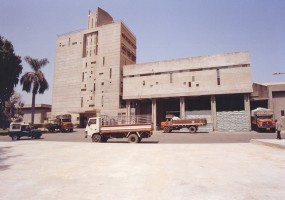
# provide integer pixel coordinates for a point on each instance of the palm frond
(27, 80)
(36, 64)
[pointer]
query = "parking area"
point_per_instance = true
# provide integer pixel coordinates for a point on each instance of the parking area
(159, 137)
(32, 169)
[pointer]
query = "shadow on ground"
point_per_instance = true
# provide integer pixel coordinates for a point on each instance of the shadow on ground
(4, 156)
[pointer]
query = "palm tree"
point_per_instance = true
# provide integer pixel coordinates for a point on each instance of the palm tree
(35, 80)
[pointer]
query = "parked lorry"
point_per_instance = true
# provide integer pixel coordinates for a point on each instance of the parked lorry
(135, 129)
(174, 123)
(262, 120)
(18, 130)
(62, 123)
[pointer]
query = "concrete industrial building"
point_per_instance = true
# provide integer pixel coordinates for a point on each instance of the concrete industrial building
(88, 68)
(213, 86)
(96, 74)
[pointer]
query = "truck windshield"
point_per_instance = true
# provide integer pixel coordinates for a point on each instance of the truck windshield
(66, 120)
(91, 121)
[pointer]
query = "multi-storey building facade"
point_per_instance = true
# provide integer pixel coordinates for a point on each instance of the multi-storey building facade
(88, 68)
(96, 74)
(215, 86)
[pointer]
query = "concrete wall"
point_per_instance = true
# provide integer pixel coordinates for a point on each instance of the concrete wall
(88, 68)
(189, 77)
(67, 74)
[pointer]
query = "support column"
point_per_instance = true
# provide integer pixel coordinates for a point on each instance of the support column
(182, 107)
(247, 107)
(128, 105)
(153, 109)
(214, 112)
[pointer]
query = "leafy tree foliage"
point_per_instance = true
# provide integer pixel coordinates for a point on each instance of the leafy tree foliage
(10, 70)
(34, 80)
(13, 108)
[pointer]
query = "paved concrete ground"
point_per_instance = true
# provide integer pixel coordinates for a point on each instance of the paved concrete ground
(32, 169)
(160, 137)
(270, 143)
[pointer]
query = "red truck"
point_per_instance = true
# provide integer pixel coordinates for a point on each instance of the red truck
(174, 123)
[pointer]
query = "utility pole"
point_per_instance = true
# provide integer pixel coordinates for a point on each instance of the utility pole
(278, 73)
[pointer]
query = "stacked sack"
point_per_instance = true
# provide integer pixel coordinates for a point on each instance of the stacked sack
(233, 121)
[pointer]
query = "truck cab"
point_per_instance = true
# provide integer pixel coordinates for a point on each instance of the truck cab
(93, 126)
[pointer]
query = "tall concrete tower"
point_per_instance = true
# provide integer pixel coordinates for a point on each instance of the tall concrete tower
(88, 68)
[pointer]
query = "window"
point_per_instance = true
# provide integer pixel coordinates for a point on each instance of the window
(143, 83)
(92, 121)
(94, 87)
(91, 98)
(102, 101)
(282, 113)
(170, 77)
(110, 73)
(193, 78)
(81, 102)
(197, 85)
(189, 84)
(218, 77)
(102, 83)
(103, 60)
(82, 76)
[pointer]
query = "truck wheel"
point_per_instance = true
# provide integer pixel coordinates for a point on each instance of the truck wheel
(96, 138)
(192, 129)
(15, 137)
(166, 130)
(133, 138)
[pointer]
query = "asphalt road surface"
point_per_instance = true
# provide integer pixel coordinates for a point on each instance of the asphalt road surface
(159, 137)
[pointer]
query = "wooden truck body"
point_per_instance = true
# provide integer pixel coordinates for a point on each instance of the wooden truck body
(100, 130)
(173, 123)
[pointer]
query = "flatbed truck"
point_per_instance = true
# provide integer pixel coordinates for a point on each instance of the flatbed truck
(174, 123)
(100, 130)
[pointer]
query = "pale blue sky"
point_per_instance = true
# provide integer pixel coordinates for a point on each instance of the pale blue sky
(165, 29)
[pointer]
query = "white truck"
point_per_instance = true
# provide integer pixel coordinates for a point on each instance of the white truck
(100, 129)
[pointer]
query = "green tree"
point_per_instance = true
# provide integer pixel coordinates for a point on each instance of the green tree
(34, 80)
(10, 70)
(13, 108)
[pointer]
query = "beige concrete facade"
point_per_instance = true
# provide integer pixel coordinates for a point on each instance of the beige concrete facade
(182, 79)
(88, 68)
(96, 74)
(189, 77)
